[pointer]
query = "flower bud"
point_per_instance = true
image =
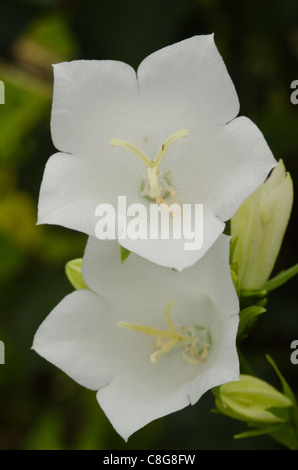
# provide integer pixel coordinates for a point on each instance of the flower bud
(260, 225)
(73, 270)
(250, 400)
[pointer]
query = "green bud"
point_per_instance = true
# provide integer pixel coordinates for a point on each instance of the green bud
(250, 400)
(260, 225)
(73, 270)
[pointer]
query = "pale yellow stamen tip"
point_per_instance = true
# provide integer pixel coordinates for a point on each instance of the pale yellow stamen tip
(166, 145)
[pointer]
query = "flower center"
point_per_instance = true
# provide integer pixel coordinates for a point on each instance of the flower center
(195, 340)
(155, 186)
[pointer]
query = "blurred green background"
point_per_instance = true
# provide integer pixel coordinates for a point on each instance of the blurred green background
(40, 407)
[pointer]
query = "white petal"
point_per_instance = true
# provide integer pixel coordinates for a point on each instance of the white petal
(225, 366)
(221, 167)
(91, 101)
(187, 84)
(173, 253)
(241, 165)
(63, 200)
(129, 408)
(140, 278)
(72, 337)
(74, 186)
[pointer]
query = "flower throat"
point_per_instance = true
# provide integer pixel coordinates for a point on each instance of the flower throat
(196, 340)
(154, 186)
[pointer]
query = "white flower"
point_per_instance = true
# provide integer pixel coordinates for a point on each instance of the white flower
(150, 339)
(167, 132)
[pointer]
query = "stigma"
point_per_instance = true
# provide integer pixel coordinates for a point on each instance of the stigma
(194, 340)
(155, 184)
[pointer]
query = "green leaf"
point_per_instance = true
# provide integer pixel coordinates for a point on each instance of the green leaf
(280, 279)
(258, 432)
(248, 317)
(73, 270)
(286, 435)
(124, 254)
(285, 386)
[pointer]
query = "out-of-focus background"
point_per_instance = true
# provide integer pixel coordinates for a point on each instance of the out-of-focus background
(40, 407)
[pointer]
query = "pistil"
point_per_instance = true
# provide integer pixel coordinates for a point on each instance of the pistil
(153, 166)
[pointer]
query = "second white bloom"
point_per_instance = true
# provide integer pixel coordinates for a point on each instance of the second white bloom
(151, 340)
